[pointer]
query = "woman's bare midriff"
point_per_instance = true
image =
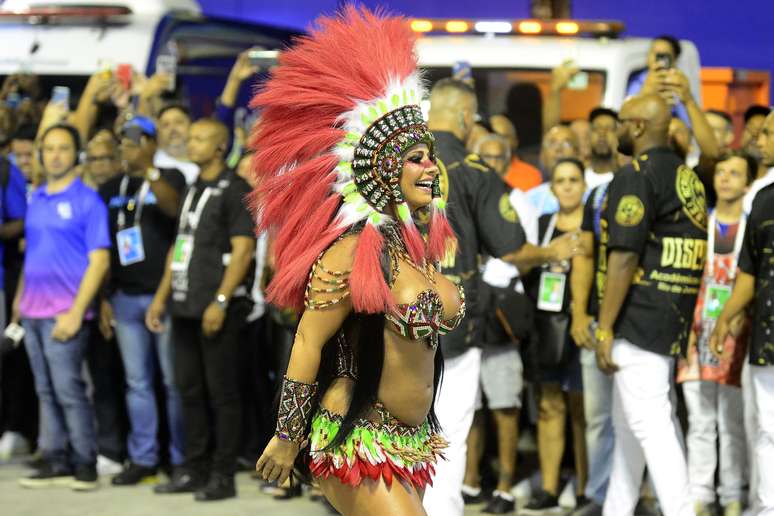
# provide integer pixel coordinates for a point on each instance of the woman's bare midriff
(406, 385)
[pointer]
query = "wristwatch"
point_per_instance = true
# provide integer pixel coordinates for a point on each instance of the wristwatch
(222, 301)
(153, 174)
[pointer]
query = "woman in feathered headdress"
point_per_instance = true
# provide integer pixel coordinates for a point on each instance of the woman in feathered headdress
(344, 162)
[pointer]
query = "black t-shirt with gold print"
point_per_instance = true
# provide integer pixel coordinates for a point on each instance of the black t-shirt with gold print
(657, 209)
(485, 223)
(757, 259)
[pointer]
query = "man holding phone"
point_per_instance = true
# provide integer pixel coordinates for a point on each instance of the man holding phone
(662, 58)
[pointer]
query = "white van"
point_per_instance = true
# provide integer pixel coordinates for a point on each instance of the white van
(505, 53)
(65, 41)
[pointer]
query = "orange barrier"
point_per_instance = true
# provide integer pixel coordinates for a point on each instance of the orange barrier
(733, 91)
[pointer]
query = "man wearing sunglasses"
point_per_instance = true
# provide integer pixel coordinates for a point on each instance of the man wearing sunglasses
(655, 225)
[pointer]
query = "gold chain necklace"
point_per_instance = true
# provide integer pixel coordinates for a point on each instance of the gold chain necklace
(398, 251)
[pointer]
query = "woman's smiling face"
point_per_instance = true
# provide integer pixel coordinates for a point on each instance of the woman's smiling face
(416, 180)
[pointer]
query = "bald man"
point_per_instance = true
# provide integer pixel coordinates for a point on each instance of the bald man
(520, 174)
(559, 142)
(654, 221)
(208, 277)
(484, 222)
(763, 145)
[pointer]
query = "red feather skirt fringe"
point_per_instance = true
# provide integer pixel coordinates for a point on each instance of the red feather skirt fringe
(388, 450)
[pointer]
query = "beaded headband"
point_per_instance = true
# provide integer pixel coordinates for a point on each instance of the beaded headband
(379, 154)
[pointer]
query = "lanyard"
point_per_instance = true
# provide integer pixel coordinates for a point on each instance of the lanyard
(140, 200)
(549, 231)
(191, 220)
(599, 197)
(711, 244)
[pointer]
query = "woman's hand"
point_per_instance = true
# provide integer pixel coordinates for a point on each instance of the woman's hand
(277, 460)
(580, 330)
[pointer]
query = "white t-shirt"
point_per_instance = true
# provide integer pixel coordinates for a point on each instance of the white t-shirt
(593, 180)
(162, 159)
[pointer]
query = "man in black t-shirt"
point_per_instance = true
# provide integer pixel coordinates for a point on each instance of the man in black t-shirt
(755, 283)
(656, 220)
(142, 208)
(484, 221)
(208, 278)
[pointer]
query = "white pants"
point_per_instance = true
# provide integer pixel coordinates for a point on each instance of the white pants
(763, 384)
(646, 432)
(751, 431)
(715, 420)
(454, 406)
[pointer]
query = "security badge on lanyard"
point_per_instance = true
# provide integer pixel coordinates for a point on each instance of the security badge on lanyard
(716, 294)
(552, 284)
(189, 221)
(129, 240)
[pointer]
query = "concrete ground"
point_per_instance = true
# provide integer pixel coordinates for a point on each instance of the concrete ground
(140, 501)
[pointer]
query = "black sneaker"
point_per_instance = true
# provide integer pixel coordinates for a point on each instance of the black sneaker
(36, 462)
(586, 507)
(182, 481)
(47, 476)
(219, 487)
(133, 474)
(501, 503)
(472, 495)
(85, 478)
(541, 502)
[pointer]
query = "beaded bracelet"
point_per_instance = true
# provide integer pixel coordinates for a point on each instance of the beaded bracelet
(297, 402)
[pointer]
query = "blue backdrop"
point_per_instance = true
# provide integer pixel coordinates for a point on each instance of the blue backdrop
(734, 33)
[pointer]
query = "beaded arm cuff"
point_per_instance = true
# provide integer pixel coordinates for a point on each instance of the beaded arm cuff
(325, 287)
(297, 402)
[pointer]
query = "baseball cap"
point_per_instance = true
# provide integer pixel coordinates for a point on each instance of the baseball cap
(138, 126)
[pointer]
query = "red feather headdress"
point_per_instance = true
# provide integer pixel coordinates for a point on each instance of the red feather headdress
(337, 115)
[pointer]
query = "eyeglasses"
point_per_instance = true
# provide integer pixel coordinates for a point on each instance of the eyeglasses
(498, 157)
(559, 145)
(94, 159)
(604, 129)
(633, 119)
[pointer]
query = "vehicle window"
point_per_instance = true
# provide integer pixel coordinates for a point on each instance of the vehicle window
(494, 86)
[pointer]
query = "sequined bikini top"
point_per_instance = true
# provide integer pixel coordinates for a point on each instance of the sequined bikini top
(423, 319)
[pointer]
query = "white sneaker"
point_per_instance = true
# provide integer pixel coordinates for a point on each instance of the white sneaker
(522, 490)
(567, 496)
(13, 444)
(107, 467)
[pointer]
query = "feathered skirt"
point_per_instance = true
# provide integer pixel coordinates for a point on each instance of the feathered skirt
(384, 448)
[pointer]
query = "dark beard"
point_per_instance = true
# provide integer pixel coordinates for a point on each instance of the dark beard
(626, 148)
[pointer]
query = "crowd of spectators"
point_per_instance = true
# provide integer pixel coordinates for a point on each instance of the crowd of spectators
(128, 246)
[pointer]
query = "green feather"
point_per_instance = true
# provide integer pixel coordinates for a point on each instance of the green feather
(403, 212)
